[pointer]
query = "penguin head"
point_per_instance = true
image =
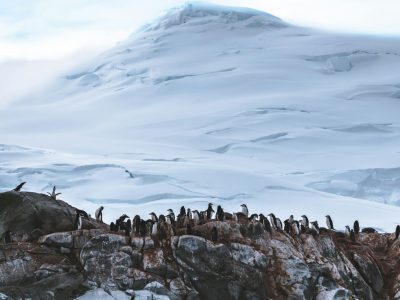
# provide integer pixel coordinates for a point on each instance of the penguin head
(303, 216)
(271, 215)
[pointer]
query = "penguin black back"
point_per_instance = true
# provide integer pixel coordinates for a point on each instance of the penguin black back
(220, 213)
(82, 213)
(113, 227)
(397, 231)
(356, 227)
(143, 228)
(19, 187)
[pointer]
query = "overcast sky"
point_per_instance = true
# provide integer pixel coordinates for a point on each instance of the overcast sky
(47, 29)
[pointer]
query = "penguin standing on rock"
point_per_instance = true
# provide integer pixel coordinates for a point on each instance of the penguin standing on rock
(143, 228)
(196, 217)
(171, 214)
(356, 227)
(153, 217)
(99, 214)
(279, 224)
(273, 220)
(347, 231)
(397, 232)
(83, 213)
(136, 223)
(209, 211)
(304, 221)
(266, 223)
(53, 194)
(220, 213)
(286, 226)
(253, 218)
(78, 220)
(19, 187)
(296, 227)
(315, 227)
(329, 223)
(113, 227)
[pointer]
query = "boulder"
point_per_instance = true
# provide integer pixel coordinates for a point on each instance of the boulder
(27, 215)
(58, 239)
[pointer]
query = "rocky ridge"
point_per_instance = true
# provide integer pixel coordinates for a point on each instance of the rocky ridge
(245, 262)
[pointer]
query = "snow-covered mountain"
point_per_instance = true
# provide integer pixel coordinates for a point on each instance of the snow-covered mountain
(219, 104)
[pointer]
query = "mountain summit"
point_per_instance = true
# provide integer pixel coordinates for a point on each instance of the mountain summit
(216, 104)
(195, 13)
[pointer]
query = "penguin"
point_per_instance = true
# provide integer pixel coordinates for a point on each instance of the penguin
(128, 227)
(347, 231)
(291, 219)
(154, 233)
(82, 213)
(214, 235)
(273, 220)
(19, 187)
(397, 232)
(209, 211)
(220, 213)
(171, 213)
(245, 210)
(182, 211)
(253, 218)
(149, 226)
(287, 228)
(154, 228)
(142, 228)
(279, 224)
(153, 217)
(99, 214)
(304, 221)
(296, 227)
(113, 227)
(171, 220)
(7, 237)
(78, 220)
(315, 226)
(53, 194)
(136, 224)
(189, 214)
(120, 222)
(356, 227)
(266, 223)
(196, 217)
(329, 223)
(162, 231)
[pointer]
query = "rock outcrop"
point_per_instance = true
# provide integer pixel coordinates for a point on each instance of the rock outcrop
(245, 263)
(30, 215)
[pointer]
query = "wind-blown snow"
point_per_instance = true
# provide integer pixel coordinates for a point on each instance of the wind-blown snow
(222, 105)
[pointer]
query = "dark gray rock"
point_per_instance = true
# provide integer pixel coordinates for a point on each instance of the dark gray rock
(27, 215)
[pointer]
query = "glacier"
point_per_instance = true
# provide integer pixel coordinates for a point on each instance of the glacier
(224, 105)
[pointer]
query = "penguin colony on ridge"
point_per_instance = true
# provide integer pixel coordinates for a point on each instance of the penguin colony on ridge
(163, 226)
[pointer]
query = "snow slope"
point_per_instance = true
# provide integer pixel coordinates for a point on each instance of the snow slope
(219, 104)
